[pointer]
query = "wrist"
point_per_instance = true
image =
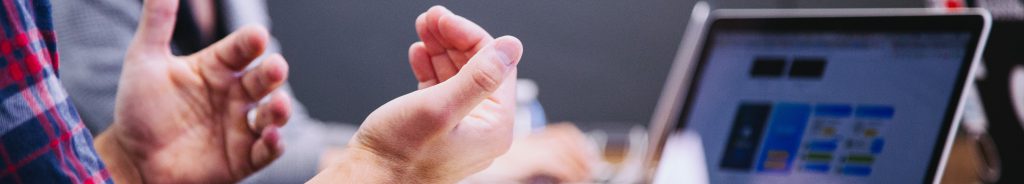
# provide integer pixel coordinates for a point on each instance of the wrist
(357, 165)
(120, 164)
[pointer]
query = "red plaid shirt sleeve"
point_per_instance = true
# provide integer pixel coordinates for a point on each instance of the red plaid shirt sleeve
(42, 138)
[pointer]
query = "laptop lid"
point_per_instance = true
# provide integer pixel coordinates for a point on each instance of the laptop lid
(820, 96)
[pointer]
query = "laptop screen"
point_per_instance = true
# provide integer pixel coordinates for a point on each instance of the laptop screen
(826, 106)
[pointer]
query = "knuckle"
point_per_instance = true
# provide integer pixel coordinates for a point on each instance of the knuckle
(485, 80)
(242, 48)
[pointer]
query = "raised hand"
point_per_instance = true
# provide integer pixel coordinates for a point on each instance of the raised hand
(182, 119)
(456, 124)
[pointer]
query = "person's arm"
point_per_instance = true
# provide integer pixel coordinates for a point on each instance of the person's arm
(43, 138)
(360, 166)
(454, 125)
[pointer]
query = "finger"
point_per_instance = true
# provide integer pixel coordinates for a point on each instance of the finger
(564, 172)
(267, 148)
(156, 25)
(569, 141)
(427, 29)
(577, 156)
(275, 112)
(422, 68)
(571, 137)
(266, 77)
(462, 35)
(444, 32)
(577, 173)
(481, 77)
(235, 51)
(576, 169)
(506, 94)
(444, 68)
(504, 98)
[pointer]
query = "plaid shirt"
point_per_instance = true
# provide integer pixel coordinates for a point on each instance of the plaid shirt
(42, 139)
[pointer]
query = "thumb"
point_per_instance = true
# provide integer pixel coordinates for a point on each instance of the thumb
(481, 76)
(157, 24)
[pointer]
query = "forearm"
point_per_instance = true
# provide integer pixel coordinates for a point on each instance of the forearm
(119, 164)
(361, 166)
(356, 166)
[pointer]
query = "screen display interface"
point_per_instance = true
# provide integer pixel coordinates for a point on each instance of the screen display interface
(824, 107)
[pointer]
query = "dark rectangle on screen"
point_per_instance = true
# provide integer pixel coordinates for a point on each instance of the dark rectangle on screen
(745, 136)
(768, 67)
(807, 68)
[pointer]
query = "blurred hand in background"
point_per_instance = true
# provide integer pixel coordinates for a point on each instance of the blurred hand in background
(559, 153)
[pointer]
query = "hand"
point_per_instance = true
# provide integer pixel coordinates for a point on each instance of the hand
(559, 152)
(183, 119)
(455, 124)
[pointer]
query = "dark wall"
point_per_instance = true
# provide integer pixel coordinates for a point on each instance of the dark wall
(600, 63)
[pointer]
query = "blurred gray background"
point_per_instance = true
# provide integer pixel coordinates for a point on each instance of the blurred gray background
(599, 63)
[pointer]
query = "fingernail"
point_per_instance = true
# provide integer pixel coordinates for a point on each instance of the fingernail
(505, 51)
(273, 137)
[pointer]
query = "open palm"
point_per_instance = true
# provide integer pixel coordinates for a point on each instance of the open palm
(182, 119)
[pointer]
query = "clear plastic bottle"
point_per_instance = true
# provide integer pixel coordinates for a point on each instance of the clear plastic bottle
(529, 113)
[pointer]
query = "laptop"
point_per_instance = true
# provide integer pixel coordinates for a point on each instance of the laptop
(815, 96)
